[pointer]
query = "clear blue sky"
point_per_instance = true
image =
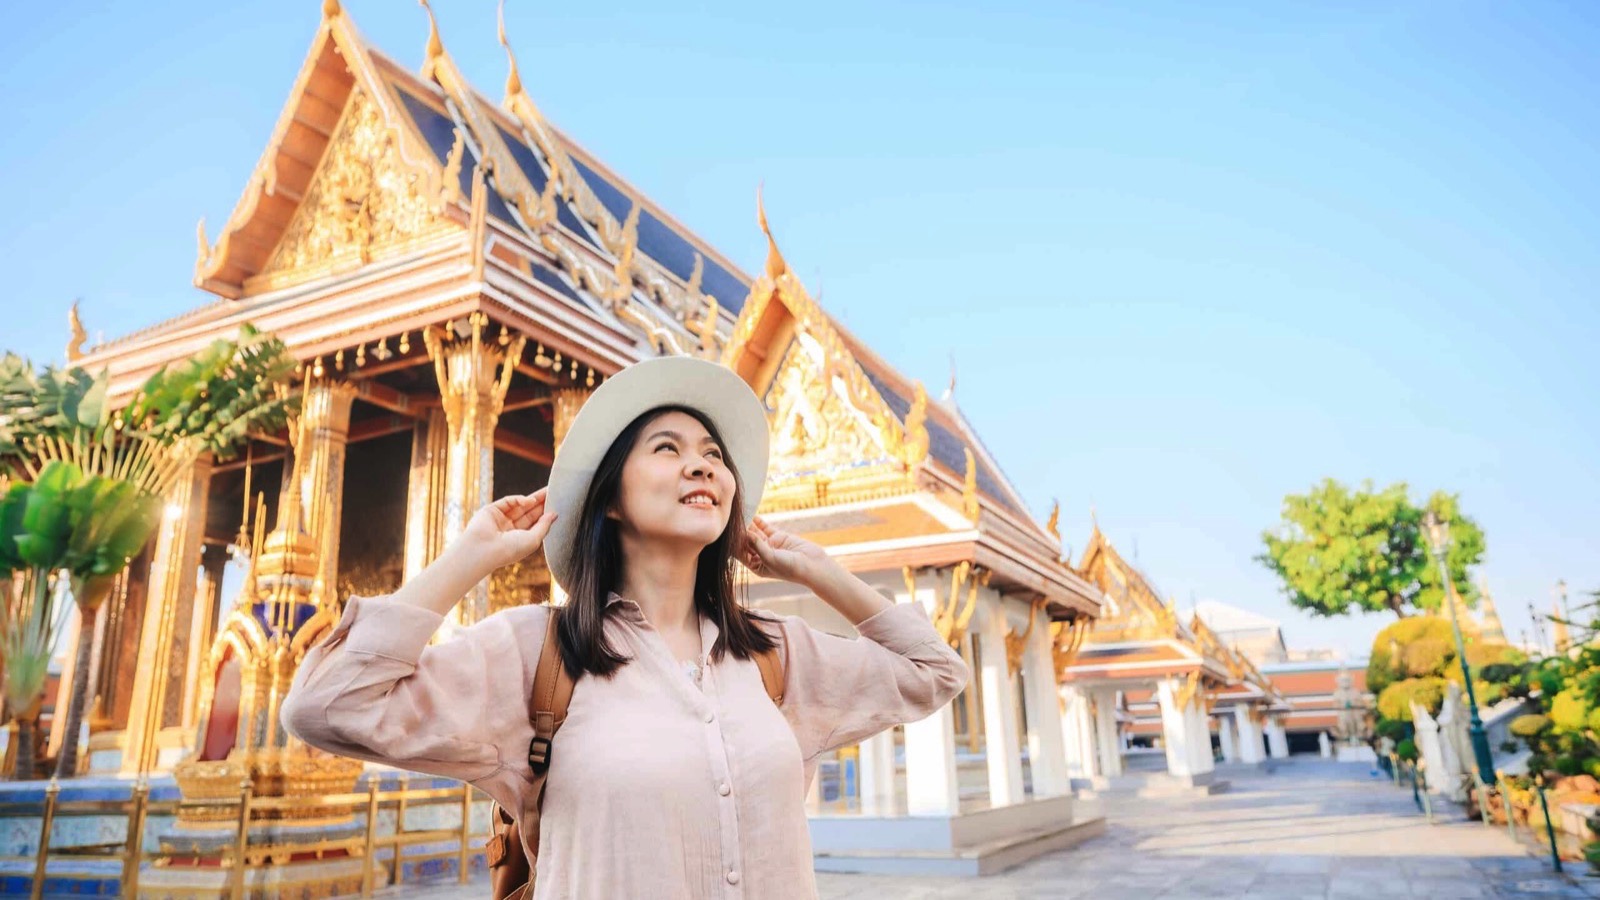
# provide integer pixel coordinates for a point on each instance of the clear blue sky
(1188, 257)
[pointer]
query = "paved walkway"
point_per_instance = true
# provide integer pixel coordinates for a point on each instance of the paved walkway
(1310, 829)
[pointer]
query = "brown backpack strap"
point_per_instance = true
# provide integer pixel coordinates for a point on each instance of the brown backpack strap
(547, 709)
(771, 664)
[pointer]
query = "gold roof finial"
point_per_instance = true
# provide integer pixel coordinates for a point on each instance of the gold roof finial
(435, 44)
(1054, 524)
(79, 335)
(514, 78)
(776, 265)
(330, 8)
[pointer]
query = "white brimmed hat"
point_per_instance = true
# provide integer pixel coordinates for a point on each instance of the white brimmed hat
(707, 387)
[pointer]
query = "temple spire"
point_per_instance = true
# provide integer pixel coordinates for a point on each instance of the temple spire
(1490, 626)
(776, 265)
(435, 48)
(514, 77)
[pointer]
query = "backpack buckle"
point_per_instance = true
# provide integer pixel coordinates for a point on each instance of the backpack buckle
(539, 754)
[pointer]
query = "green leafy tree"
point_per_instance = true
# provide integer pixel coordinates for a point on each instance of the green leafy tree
(123, 463)
(1339, 550)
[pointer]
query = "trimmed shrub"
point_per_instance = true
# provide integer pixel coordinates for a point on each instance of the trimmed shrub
(1530, 725)
(1406, 750)
(1393, 658)
(1396, 699)
(1569, 711)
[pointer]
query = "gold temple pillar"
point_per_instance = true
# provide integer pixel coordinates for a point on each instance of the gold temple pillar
(565, 404)
(164, 647)
(425, 491)
(321, 434)
(208, 597)
(474, 370)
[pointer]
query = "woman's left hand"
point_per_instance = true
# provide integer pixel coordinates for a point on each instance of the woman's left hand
(773, 553)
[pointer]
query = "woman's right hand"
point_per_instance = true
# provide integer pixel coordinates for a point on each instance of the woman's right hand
(507, 530)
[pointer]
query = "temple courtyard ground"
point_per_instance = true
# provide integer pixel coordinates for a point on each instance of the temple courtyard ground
(1308, 829)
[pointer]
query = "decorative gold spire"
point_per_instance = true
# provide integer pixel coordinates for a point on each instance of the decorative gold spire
(435, 47)
(1053, 525)
(513, 78)
(776, 266)
(330, 9)
(79, 335)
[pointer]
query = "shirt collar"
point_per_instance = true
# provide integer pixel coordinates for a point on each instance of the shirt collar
(709, 632)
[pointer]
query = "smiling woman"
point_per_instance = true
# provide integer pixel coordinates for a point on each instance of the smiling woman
(701, 779)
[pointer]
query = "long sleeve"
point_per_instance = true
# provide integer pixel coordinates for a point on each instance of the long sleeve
(839, 691)
(375, 690)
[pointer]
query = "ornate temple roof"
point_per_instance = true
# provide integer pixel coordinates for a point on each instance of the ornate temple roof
(587, 228)
(862, 459)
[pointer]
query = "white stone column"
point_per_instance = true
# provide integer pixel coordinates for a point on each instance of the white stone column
(1230, 746)
(1046, 750)
(1078, 734)
(1250, 748)
(877, 772)
(1107, 739)
(1176, 728)
(1001, 744)
(1277, 740)
(931, 788)
(1202, 760)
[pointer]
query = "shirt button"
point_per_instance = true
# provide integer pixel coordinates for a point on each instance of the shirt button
(710, 717)
(733, 876)
(723, 789)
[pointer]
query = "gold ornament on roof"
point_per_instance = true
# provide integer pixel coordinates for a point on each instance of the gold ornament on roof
(435, 47)
(79, 335)
(969, 487)
(914, 447)
(450, 184)
(1053, 525)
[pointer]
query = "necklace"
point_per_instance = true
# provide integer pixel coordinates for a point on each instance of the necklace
(692, 668)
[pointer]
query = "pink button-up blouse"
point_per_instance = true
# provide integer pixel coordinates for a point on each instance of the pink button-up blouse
(657, 788)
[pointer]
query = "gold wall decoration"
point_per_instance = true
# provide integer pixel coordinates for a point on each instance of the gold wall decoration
(363, 202)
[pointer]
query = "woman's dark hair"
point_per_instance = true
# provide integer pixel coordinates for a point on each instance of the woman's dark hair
(596, 567)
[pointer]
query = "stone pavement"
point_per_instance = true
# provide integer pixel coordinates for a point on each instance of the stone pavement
(1309, 829)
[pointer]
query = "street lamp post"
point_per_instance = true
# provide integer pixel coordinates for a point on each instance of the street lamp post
(1439, 538)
